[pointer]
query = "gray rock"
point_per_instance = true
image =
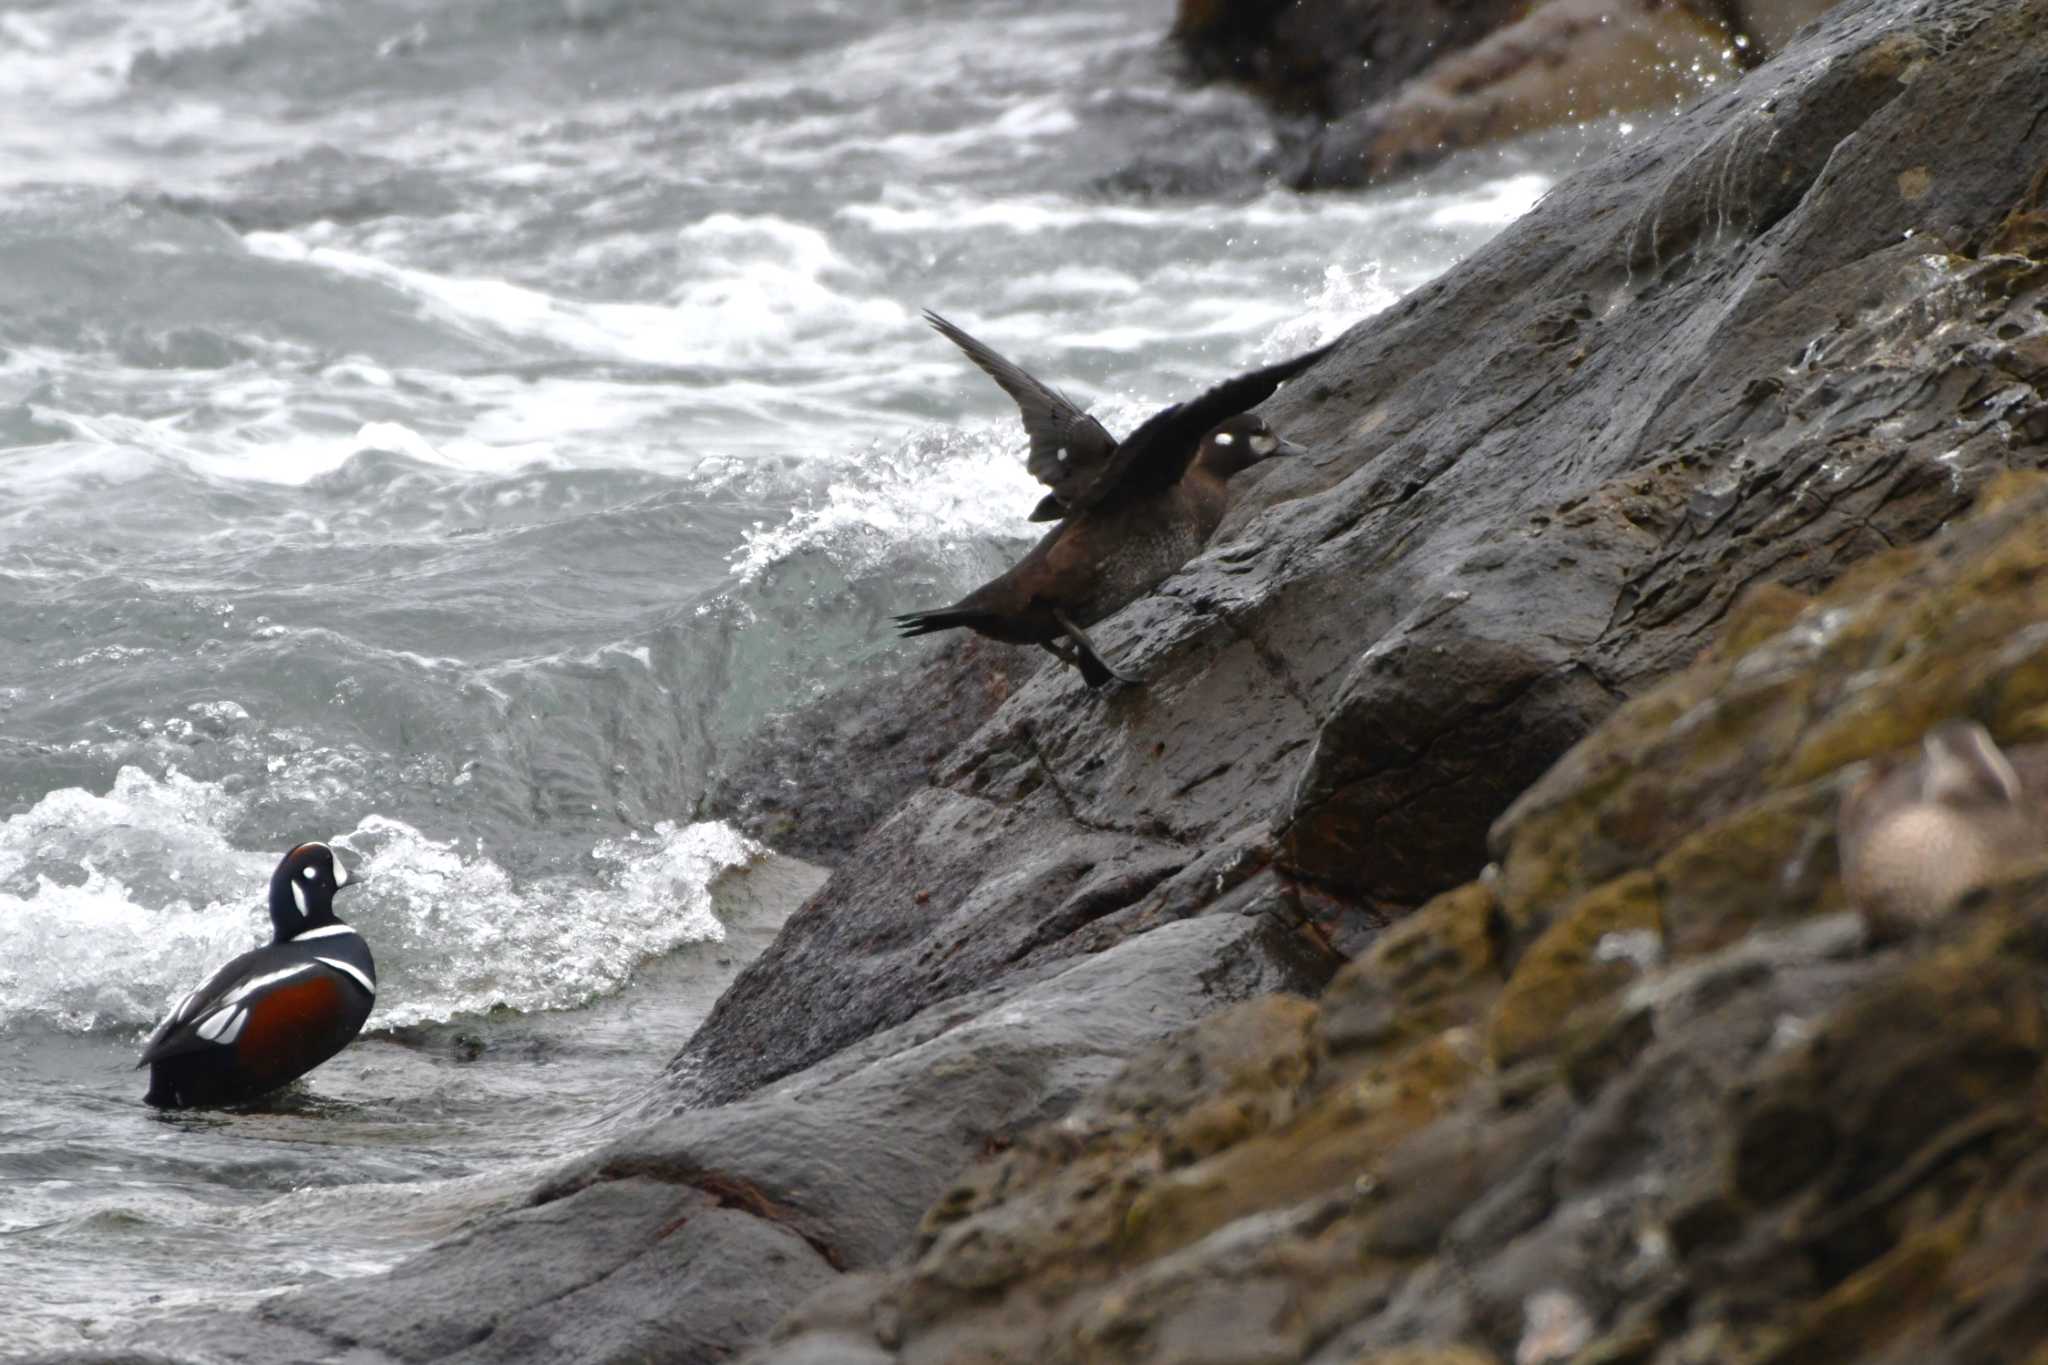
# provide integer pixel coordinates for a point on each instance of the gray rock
(1365, 89)
(1329, 56)
(853, 1151)
(716, 1282)
(811, 783)
(921, 913)
(1663, 385)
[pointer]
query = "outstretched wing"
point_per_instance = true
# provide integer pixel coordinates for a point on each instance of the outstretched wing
(1157, 453)
(1069, 449)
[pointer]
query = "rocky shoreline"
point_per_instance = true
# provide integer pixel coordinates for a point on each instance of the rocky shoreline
(1365, 92)
(1442, 960)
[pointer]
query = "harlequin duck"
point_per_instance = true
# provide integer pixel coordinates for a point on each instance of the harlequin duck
(275, 1013)
(1129, 512)
(1915, 835)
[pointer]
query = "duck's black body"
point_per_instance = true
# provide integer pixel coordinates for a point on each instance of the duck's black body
(273, 1014)
(1129, 512)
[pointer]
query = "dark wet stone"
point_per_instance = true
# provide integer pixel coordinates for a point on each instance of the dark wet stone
(812, 782)
(1328, 56)
(1391, 88)
(922, 913)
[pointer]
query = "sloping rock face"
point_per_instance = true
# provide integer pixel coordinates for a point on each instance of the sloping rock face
(1795, 328)
(811, 783)
(1777, 338)
(1647, 1095)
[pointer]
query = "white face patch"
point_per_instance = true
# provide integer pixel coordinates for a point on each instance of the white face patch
(340, 872)
(1265, 445)
(352, 970)
(1224, 438)
(299, 897)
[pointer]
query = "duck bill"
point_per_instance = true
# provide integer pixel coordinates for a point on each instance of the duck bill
(1285, 448)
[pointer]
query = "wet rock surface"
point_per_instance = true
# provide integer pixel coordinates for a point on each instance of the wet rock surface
(811, 783)
(1327, 59)
(1369, 89)
(1561, 63)
(1648, 1093)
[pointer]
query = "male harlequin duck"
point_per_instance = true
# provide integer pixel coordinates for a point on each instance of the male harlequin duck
(275, 1013)
(1915, 835)
(1129, 512)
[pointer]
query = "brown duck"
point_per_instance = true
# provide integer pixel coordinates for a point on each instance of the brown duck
(1916, 834)
(1130, 512)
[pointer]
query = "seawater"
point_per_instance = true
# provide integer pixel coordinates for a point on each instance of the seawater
(448, 429)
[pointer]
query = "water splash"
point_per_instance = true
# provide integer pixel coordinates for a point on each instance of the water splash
(112, 906)
(934, 488)
(456, 935)
(1345, 298)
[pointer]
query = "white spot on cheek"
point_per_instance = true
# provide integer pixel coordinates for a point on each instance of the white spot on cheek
(310, 873)
(299, 897)
(1063, 455)
(1224, 438)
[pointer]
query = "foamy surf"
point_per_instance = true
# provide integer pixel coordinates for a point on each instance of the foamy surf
(114, 904)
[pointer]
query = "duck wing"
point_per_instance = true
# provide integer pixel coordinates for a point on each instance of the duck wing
(213, 1015)
(178, 1031)
(1069, 449)
(1156, 455)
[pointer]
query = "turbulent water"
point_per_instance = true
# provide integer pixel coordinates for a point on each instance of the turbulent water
(447, 429)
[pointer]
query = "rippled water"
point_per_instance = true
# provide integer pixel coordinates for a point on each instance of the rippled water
(448, 428)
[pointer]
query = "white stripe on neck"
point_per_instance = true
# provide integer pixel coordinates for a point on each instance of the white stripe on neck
(352, 970)
(324, 931)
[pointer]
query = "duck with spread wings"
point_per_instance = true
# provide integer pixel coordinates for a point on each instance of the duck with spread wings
(1129, 512)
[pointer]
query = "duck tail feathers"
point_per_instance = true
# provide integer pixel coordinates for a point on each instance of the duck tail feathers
(944, 618)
